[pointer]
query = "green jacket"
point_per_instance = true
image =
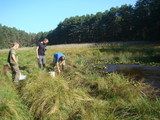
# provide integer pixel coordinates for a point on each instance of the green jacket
(10, 59)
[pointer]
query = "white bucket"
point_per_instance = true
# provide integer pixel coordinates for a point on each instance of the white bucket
(52, 73)
(22, 77)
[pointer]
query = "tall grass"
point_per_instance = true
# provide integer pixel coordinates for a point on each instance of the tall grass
(11, 106)
(50, 98)
(83, 91)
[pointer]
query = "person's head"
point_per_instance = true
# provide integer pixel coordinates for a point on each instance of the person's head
(45, 41)
(62, 58)
(15, 45)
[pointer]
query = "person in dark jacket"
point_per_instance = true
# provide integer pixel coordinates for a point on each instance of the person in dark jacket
(40, 51)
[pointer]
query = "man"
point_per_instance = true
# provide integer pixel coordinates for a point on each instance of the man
(59, 60)
(40, 51)
(13, 62)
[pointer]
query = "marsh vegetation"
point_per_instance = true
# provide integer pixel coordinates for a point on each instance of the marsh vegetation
(83, 91)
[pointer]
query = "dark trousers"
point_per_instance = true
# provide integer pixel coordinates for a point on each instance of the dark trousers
(41, 61)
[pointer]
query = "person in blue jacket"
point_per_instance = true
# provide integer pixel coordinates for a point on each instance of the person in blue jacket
(59, 60)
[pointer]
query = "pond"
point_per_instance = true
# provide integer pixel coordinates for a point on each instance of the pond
(147, 74)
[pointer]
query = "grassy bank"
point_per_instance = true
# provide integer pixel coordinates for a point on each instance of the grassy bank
(83, 91)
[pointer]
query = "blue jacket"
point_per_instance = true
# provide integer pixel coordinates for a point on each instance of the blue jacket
(57, 56)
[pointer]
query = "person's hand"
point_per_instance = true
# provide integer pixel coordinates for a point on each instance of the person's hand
(59, 71)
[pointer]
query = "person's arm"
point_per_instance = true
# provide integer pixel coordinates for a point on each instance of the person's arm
(14, 58)
(37, 51)
(57, 65)
(63, 64)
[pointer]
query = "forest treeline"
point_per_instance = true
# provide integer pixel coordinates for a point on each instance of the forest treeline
(9, 35)
(125, 23)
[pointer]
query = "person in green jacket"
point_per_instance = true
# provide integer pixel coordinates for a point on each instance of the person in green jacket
(13, 62)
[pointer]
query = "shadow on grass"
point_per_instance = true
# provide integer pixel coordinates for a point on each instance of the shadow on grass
(147, 59)
(125, 48)
(146, 55)
(25, 68)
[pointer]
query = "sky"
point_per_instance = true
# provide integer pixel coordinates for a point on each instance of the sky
(34, 16)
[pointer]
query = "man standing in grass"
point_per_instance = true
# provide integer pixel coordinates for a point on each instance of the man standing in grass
(40, 51)
(13, 62)
(59, 60)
